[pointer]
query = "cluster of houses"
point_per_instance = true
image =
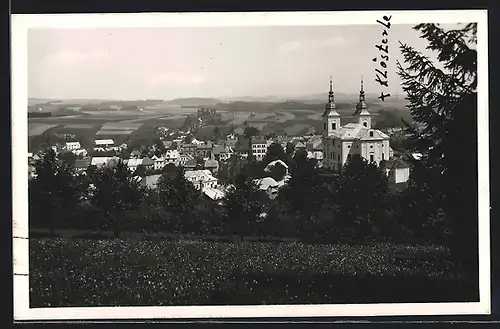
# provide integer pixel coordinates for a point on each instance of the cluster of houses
(201, 160)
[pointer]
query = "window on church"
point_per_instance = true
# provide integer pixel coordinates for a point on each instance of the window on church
(334, 125)
(365, 124)
(371, 157)
(383, 158)
(371, 146)
(371, 133)
(349, 146)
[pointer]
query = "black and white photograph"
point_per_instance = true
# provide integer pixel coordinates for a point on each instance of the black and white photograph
(218, 165)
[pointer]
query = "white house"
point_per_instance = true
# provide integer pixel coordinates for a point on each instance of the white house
(159, 162)
(104, 143)
(132, 164)
(214, 193)
(397, 171)
(340, 142)
(268, 185)
(197, 142)
(275, 162)
(172, 156)
(201, 179)
(70, 146)
(80, 152)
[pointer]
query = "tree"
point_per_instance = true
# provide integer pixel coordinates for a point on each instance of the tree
(159, 145)
(116, 193)
(178, 196)
(303, 191)
(250, 132)
(289, 151)
(361, 196)
(445, 101)
(54, 194)
(244, 203)
(169, 169)
(68, 157)
(274, 152)
(140, 171)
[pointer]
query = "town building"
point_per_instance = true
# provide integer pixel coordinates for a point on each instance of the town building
(314, 149)
(104, 143)
(259, 148)
(132, 164)
(184, 158)
(204, 149)
(271, 164)
(189, 149)
(397, 170)
(159, 162)
(191, 164)
(148, 163)
(340, 142)
(268, 185)
(70, 146)
(243, 148)
(81, 165)
(201, 179)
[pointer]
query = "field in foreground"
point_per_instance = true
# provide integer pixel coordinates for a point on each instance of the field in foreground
(77, 272)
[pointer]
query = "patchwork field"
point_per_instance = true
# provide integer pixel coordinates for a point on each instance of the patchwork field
(35, 129)
(296, 128)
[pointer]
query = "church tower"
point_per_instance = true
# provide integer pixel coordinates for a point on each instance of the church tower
(361, 114)
(331, 118)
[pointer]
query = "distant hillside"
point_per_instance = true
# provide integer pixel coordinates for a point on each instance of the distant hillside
(194, 101)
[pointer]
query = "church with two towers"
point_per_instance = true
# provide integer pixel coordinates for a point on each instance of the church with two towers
(340, 142)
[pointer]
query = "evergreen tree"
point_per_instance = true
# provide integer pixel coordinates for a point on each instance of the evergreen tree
(445, 101)
(54, 194)
(361, 196)
(244, 203)
(178, 196)
(304, 189)
(274, 152)
(116, 193)
(140, 171)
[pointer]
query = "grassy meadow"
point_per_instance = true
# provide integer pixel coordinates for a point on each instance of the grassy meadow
(134, 271)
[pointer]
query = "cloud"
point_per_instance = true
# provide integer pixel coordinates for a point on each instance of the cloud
(175, 78)
(315, 44)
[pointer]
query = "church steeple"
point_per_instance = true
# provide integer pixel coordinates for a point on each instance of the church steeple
(330, 108)
(362, 92)
(331, 118)
(362, 113)
(330, 94)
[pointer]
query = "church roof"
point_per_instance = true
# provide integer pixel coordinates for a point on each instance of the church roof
(330, 110)
(358, 131)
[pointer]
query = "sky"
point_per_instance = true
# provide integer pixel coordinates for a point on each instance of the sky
(173, 62)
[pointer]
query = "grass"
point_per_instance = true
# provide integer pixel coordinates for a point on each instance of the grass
(78, 272)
